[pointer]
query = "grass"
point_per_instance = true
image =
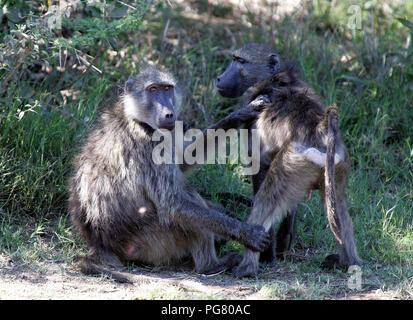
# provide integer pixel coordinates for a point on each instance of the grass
(362, 72)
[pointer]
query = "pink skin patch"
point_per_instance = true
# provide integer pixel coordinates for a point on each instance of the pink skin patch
(130, 250)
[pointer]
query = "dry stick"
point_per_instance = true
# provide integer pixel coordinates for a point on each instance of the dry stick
(127, 5)
(164, 34)
(86, 62)
(80, 76)
(76, 79)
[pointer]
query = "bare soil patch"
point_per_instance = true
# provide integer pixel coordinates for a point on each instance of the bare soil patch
(59, 281)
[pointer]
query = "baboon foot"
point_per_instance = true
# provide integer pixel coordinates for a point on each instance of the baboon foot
(283, 245)
(227, 263)
(248, 266)
(231, 260)
(332, 261)
(244, 270)
(285, 234)
(268, 257)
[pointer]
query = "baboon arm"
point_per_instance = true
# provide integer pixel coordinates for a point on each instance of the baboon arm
(252, 236)
(242, 115)
(193, 213)
(186, 207)
(234, 120)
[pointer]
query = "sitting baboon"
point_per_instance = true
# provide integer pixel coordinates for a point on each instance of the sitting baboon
(130, 209)
(300, 141)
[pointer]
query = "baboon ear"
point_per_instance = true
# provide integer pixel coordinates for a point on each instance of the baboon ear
(129, 84)
(274, 61)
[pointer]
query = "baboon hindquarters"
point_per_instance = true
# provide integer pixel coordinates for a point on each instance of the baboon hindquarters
(288, 180)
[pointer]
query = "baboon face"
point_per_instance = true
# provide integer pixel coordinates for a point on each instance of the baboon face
(252, 63)
(152, 98)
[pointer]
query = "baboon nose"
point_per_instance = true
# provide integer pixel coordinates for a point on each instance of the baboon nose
(169, 115)
(218, 79)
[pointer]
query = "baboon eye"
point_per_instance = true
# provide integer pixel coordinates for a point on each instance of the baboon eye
(152, 88)
(240, 60)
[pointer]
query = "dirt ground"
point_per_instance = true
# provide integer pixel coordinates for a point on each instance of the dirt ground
(53, 281)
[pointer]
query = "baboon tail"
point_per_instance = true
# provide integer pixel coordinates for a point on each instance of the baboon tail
(330, 196)
(89, 266)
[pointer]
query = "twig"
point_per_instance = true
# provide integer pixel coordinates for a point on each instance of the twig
(87, 62)
(165, 31)
(76, 79)
(60, 56)
(64, 63)
(127, 5)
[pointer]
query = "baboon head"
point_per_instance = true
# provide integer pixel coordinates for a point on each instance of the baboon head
(252, 63)
(152, 97)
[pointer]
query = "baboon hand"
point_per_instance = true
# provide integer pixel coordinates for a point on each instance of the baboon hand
(256, 238)
(253, 109)
(259, 103)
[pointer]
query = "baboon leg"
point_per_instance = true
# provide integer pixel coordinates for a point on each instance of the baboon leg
(203, 247)
(101, 263)
(281, 242)
(268, 256)
(342, 228)
(286, 232)
(108, 258)
(258, 178)
(206, 261)
(283, 187)
(203, 253)
(226, 263)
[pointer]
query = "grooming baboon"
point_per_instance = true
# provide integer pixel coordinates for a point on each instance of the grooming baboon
(251, 64)
(300, 141)
(130, 209)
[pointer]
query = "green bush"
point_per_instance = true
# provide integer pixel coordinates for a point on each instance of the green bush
(42, 65)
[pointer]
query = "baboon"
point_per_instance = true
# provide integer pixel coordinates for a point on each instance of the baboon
(302, 144)
(251, 64)
(130, 209)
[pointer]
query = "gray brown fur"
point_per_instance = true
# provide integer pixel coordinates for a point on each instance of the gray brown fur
(261, 61)
(295, 118)
(130, 209)
(296, 115)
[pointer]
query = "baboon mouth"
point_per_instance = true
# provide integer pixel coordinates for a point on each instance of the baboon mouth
(224, 92)
(168, 127)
